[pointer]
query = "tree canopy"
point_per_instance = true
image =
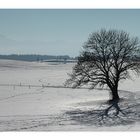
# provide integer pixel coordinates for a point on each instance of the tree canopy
(108, 56)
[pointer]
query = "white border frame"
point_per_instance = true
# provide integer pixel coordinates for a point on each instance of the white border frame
(78, 4)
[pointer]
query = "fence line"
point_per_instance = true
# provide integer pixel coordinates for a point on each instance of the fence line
(41, 86)
(45, 86)
(26, 85)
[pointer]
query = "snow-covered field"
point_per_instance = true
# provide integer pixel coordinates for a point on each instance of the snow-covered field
(27, 105)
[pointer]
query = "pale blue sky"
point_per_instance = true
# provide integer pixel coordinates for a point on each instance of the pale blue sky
(59, 32)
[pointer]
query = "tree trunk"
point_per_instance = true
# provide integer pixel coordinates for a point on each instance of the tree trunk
(114, 93)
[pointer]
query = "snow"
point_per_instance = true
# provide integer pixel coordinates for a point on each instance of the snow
(40, 108)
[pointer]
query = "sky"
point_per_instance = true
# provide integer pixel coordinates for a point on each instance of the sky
(59, 31)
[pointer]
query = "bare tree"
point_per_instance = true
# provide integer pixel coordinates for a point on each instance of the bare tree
(107, 57)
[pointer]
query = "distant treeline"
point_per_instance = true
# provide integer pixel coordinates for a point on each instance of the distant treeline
(33, 57)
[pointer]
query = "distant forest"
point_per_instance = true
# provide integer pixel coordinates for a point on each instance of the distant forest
(33, 57)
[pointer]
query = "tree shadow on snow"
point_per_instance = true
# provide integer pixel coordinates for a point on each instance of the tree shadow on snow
(113, 113)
